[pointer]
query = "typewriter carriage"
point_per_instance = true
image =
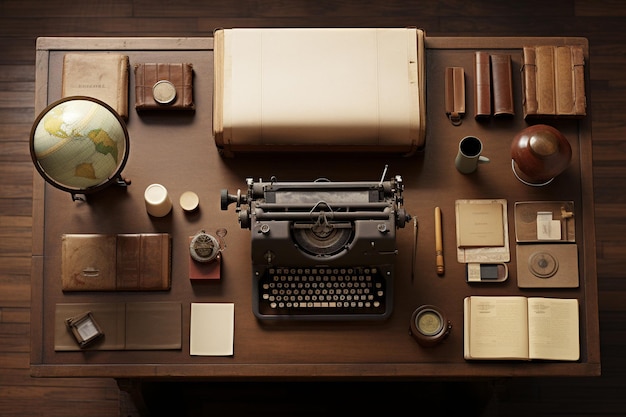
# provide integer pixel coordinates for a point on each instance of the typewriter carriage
(320, 221)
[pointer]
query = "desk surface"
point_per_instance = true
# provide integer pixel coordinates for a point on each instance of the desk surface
(183, 157)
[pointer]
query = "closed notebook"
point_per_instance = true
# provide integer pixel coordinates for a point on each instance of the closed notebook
(101, 262)
(100, 75)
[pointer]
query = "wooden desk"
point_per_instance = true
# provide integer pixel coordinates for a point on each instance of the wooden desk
(178, 151)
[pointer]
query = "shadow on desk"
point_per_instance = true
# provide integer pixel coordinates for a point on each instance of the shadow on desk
(320, 398)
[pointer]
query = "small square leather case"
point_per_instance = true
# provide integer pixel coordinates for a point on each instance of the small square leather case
(164, 86)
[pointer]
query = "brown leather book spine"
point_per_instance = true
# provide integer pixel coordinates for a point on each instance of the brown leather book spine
(580, 99)
(564, 82)
(529, 81)
(482, 85)
(502, 85)
(455, 94)
(546, 104)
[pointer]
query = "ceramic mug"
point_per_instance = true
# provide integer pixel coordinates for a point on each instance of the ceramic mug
(469, 155)
(158, 202)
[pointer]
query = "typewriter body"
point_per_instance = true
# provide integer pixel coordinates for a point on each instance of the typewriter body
(321, 250)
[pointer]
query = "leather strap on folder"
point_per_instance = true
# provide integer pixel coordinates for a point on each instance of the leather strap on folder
(455, 94)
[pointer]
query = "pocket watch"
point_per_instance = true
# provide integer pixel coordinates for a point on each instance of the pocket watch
(204, 247)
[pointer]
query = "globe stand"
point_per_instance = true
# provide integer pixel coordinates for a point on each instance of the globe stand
(118, 181)
(523, 181)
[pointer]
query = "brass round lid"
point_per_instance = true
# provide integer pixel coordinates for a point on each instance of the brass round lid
(429, 325)
(164, 92)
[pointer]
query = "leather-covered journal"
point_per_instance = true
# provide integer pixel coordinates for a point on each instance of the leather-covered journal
(100, 75)
(123, 262)
(502, 85)
(140, 325)
(482, 85)
(553, 81)
(319, 89)
(164, 86)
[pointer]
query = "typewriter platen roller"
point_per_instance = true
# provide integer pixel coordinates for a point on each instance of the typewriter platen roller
(330, 232)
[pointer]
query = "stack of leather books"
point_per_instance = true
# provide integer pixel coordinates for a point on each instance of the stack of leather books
(553, 81)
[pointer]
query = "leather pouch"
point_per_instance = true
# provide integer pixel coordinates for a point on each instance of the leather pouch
(164, 86)
(455, 94)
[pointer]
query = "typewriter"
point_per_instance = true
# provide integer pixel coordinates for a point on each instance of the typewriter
(321, 250)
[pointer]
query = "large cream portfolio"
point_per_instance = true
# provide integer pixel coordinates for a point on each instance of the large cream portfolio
(319, 90)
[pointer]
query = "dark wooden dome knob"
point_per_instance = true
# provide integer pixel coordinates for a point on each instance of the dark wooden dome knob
(540, 153)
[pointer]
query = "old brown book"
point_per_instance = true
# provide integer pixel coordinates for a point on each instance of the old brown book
(482, 85)
(502, 85)
(100, 75)
(553, 81)
(124, 262)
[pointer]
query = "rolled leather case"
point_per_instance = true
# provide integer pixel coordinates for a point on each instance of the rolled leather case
(482, 85)
(502, 85)
(455, 94)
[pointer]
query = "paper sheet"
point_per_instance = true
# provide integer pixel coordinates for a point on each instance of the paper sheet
(212, 329)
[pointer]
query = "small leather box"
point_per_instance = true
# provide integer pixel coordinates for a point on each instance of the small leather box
(164, 86)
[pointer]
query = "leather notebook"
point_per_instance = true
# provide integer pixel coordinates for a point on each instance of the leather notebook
(124, 262)
(164, 86)
(100, 75)
(553, 81)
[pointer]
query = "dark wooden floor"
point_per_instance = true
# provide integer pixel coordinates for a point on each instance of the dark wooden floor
(601, 21)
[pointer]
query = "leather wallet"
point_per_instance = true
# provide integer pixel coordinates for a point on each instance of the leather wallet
(164, 86)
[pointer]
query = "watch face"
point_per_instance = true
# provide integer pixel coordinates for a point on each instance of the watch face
(204, 247)
(429, 322)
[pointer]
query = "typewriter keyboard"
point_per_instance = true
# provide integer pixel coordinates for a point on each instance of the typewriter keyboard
(324, 293)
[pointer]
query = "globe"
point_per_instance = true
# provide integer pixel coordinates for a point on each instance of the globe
(79, 145)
